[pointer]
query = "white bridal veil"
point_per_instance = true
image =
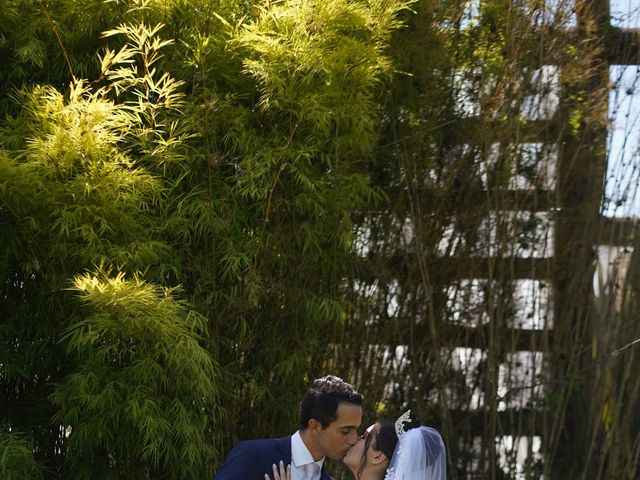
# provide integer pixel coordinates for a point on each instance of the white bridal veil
(419, 455)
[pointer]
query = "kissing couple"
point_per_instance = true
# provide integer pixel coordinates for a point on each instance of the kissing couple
(330, 416)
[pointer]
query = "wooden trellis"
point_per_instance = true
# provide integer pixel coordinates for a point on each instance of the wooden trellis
(562, 348)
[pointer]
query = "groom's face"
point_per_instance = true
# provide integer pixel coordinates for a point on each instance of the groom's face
(341, 434)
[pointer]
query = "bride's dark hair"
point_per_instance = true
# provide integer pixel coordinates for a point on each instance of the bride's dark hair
(384, 440)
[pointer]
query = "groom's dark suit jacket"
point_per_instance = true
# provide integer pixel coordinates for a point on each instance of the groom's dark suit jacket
(251, 459)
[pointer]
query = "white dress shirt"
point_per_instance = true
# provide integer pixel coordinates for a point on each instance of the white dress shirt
(303, 467)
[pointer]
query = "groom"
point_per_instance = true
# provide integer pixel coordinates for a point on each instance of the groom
(330, 415)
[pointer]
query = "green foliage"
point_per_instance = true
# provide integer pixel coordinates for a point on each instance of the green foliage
(69, 178)
(308, 58)
(17, 461)
(224, 152)
(283, 145)
(204, 204)
(141, 400)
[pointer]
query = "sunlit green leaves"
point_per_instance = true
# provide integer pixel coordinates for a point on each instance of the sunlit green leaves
(225, 152)
(144, 386)
(90, 194)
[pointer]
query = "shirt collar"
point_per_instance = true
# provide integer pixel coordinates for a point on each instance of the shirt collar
(300, 453)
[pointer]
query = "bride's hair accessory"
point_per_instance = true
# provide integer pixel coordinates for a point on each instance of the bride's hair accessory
(402, 419)
(419, 455)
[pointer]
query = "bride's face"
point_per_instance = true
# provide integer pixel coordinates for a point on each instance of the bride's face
(354, 457)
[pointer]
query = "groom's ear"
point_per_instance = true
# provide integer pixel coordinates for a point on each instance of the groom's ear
(314, 425)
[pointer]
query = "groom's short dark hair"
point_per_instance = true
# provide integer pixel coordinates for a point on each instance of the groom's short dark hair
(322, 398)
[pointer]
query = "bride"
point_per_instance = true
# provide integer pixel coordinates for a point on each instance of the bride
(389, 451)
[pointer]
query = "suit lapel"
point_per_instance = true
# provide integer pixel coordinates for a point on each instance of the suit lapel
(283, 445)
